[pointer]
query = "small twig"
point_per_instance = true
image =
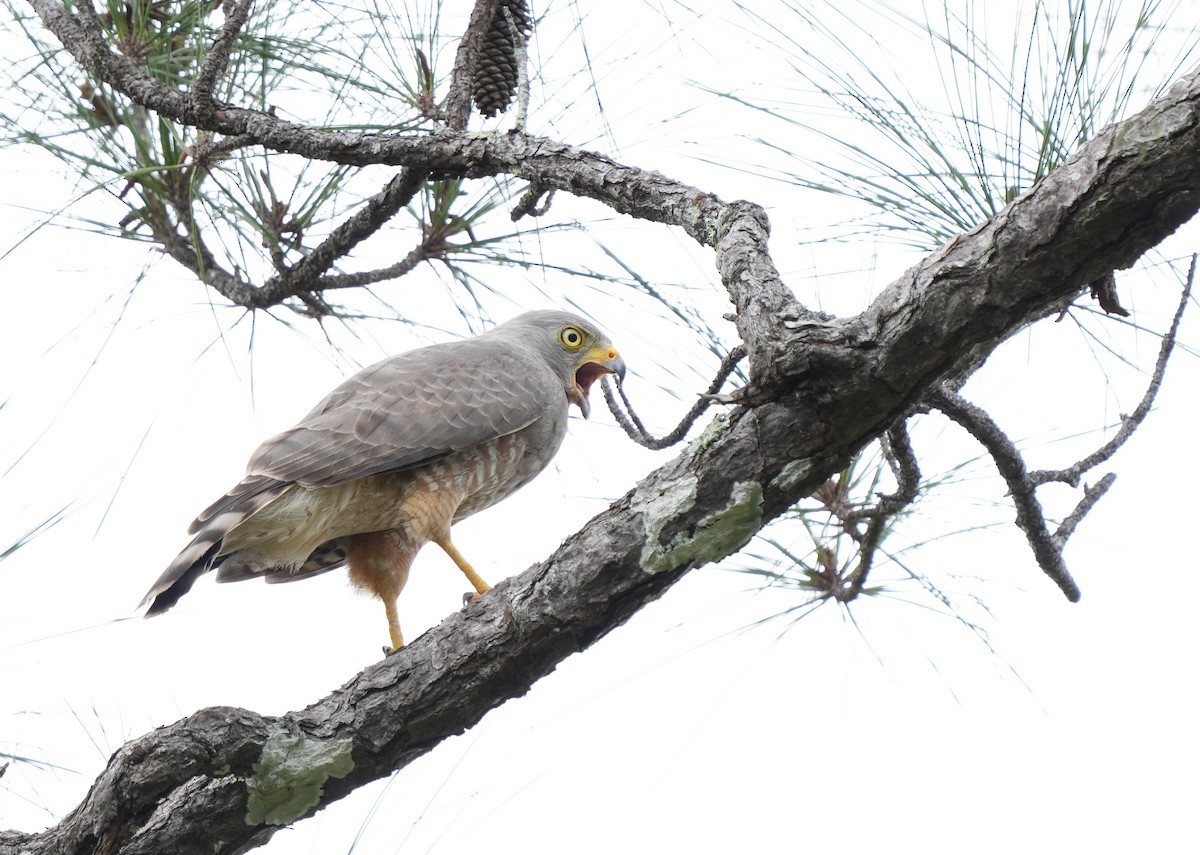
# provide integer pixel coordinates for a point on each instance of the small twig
(1130, 423)
(307, 278)
(366, 221)
(217, 60)
(1104, 292)
(197, 258)
(1030, 517)
(520, 40)
(204, 153)
(1047, 547)
(897, 448)
(430, 247)
(1091, 495)
(315, 306)
(528, 205)
(426, 99)
(633, 426)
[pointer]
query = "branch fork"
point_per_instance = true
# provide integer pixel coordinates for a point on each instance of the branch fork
(1048, 546)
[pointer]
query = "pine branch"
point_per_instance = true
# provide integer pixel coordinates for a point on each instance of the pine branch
(217, 60)
(820, 390)
(1030, 518)
(1131, 422)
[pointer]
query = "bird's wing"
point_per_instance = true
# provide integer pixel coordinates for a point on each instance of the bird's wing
(413, 409)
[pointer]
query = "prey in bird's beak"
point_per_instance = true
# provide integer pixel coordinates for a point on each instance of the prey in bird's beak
(600, 360)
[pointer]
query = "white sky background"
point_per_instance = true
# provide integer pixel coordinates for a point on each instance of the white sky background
(689, 729)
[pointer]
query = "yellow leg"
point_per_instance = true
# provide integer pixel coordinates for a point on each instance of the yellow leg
(481, 586)
(379, 563)
(393, 625)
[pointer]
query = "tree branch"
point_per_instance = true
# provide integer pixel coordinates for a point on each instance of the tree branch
(897, 448)
(217, 60)
(194, 254)
(640, 193)
(1030, 518)
(1091, 495)
(820, 390)
(432, 246)
(1130, 423)
(308, 276)
(1047, 547)
(632, 425)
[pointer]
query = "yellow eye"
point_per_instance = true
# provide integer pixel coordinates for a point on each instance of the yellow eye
(571, 337)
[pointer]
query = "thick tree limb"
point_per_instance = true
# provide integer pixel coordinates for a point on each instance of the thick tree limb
(820, 389)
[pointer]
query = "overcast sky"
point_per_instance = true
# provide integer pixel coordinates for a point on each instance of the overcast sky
(132, 398)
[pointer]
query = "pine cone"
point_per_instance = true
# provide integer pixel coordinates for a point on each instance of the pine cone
(496, 76)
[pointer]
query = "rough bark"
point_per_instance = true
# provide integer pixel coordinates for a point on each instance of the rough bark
(820, 389)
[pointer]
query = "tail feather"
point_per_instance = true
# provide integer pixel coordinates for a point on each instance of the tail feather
(199, 557)
(210, 529)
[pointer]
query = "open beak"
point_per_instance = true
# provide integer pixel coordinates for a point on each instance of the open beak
(599, 361)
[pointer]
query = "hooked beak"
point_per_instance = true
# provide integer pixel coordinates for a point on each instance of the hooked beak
(599, 361)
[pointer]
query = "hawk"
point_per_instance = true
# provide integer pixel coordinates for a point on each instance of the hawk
(396, 455)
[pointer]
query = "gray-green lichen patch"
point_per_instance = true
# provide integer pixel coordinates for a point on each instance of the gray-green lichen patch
(659, 508)
(711, 539)
(713, 431)
(290, 775)
(792, 474)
